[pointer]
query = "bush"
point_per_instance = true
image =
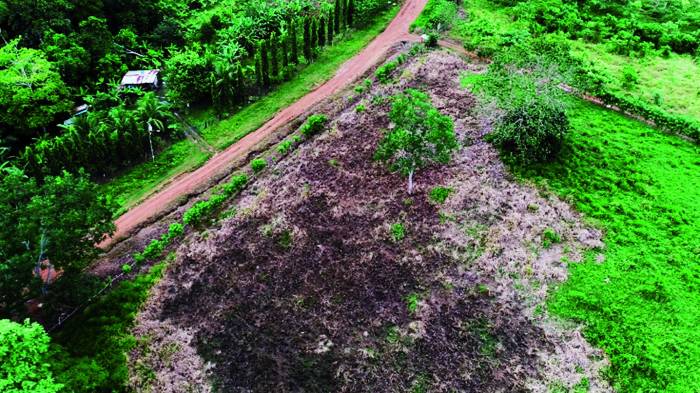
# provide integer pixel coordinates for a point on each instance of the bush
(440, 194)
(258, 164)
(313, 125)
(382, 73)
(532, 132)
(285, 147)
(398, 232)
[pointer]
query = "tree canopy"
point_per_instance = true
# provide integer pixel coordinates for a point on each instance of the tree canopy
(421, 135)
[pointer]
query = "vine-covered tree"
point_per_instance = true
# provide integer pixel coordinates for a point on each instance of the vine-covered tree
(421, 135)
(58, 221)
(24, 352)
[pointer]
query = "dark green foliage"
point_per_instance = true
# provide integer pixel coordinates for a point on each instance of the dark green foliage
(313, 125)
(351, 12)
(307, 40)
(532, 131)
(421, 135)
(330, 27)
(59, 219)
(265, 63)
(92, 356)
(258, 70)
(293, 41)
(274, 60)
(336, 16)
(314, 36)
(285, 53)
(103, 141)
(321, 31)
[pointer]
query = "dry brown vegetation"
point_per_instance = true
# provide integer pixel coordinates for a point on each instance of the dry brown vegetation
(305, 289)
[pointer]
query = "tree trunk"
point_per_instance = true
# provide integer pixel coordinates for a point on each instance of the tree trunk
(410, 182)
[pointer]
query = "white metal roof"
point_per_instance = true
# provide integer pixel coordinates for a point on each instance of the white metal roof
(140, 77)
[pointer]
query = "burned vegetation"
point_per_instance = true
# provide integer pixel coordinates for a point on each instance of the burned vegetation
(331, 277)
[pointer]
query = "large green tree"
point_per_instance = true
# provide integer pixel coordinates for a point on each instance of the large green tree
(421, 135)
(32, 93)
(23, 359)
(59, 220)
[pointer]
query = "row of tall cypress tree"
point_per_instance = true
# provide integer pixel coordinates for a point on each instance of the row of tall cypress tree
(275, 55)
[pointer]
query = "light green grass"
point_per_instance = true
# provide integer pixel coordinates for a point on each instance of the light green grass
(137, 183)
(675, 79)
(642, 303)
(222, 134)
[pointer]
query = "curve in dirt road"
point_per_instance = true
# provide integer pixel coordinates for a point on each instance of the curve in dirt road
(352, 69)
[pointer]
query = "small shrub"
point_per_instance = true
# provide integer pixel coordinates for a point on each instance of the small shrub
(398, 232)
(285, 147)
(175, 230)
(440, 194)
(384, 71)
(393, 335)
(126, 268)
(412, 301)
(313, 125)
(550, 237)
(432, 41)
(360, 108)
(630, 77)
(258, 164)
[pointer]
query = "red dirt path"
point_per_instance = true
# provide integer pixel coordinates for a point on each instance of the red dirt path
(396, 31)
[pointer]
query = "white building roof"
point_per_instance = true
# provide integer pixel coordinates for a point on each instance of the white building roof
(140, 77)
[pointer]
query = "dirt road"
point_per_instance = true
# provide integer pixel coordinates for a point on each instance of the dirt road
(349, 72)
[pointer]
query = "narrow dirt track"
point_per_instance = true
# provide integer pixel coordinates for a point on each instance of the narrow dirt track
(349, 72)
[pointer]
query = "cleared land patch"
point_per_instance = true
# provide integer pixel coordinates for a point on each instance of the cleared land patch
(308, 287)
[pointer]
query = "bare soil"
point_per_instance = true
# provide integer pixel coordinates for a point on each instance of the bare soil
(305, 290)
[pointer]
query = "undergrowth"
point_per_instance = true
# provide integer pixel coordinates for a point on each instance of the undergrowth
(641, 303)
(91, 355)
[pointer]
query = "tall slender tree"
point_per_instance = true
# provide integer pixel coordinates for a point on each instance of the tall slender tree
(307, 39)
(285, 52)
(274, 60)
(322, 31)
(351, 12)
(293, 41)
(265, 63)
(336, 19)
(258, 70)
(330, 27)
(240, 85)
(314, 36)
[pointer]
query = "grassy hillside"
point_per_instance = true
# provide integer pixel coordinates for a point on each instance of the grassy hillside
(638, 297)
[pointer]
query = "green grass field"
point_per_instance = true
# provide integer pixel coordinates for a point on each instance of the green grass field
(673, 82)
(641, 303)
(129, 188)
(135, 184)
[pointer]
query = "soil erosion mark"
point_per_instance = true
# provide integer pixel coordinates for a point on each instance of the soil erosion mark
(396, 31)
